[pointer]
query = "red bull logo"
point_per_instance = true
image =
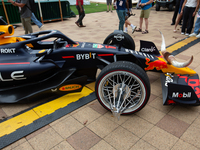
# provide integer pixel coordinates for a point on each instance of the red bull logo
(157, 64)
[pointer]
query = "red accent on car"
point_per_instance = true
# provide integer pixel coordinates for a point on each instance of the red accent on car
(170, 102)
(19, 63)
(110, 47)
(105, 54)
(67, 57)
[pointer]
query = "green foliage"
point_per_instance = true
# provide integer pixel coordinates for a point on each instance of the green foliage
(92, 8)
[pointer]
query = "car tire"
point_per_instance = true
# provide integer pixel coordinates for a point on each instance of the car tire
(171, 7)
(127, 76)
(127, 43)
(157, 7)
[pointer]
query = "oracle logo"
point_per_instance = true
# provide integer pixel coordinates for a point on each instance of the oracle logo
(15, 75)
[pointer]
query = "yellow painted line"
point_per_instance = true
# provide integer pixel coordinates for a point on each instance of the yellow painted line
(61, 102)
(180, 44)
(28, 117)
(17, 122)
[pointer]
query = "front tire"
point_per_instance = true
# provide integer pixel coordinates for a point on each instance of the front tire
(123, 84)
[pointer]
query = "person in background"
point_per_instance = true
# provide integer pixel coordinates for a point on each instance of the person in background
(25, 14)
(145, 12)
(109, 2)
(120, 7)
(176, 12)
(189, 10)
(197, 26)
(81, 12)
(180, 16)
(36, 21)
(127, 22)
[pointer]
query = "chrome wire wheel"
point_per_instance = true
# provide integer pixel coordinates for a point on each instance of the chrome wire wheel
(123, 88)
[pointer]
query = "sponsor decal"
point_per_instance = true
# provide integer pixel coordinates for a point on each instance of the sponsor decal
(85, 56)
(148, 49)
(107, 46)
(168, 79)
(15, 75)
(194, 83)
(157, 64)
(119, 37)
(181, 95)
(70, 87)
(7, 50)
(97, 46)
(139, 53)
(42, 51)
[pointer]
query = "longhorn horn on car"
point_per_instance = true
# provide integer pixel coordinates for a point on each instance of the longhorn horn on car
(171, 59)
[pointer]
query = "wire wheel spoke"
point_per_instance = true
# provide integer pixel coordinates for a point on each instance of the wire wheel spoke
(123, 88)
(121, 91)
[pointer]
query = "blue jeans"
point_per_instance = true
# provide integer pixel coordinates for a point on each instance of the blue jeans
(197, 24)
(121, 15)
(37, 22)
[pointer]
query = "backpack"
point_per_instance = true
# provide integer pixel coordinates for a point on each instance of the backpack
(32, 7)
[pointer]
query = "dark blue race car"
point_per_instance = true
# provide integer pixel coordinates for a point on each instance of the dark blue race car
(50, 62)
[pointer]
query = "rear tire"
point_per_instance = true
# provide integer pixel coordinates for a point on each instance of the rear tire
(120, 82)
(128, 42)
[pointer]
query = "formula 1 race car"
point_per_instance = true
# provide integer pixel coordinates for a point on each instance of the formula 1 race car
(49, 61)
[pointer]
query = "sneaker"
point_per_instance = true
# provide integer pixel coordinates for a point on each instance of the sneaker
(41, 26)
(198, 36)
(173, 23)
(133, 29)
(193, 34)
(125, 31)
(182, 33)
(187, 34)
